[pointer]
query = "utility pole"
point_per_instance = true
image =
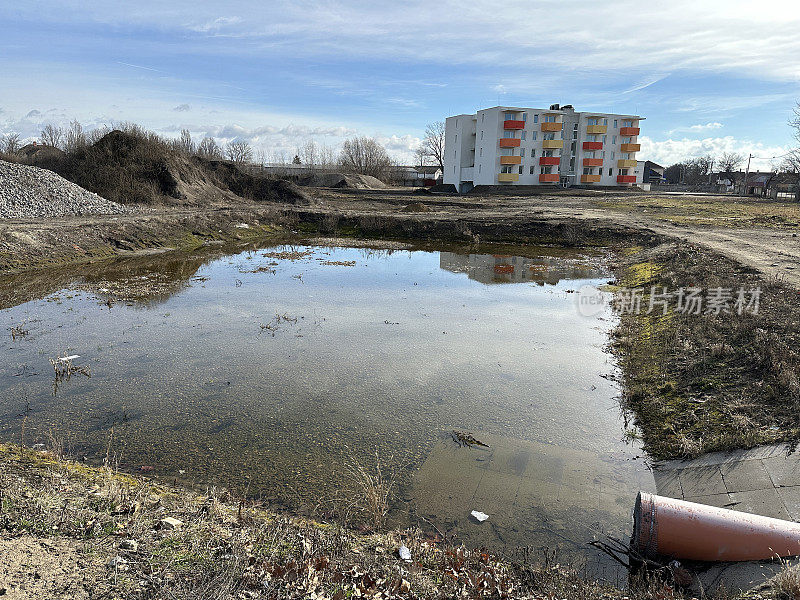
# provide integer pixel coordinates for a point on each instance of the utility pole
(747, 174)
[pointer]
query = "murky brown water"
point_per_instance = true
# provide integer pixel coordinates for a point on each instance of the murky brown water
(267, 370)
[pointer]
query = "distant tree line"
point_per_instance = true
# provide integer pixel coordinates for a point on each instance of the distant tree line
(698, 171)
(362, 155)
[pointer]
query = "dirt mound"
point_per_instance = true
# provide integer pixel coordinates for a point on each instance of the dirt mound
(343, 180)
(140, 168)
(28, 192)
(415, 207)
(37, 154)
(444, 188)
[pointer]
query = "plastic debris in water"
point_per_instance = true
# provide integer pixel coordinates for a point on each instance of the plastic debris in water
(479, 515)
(66, 358)
(404, 553)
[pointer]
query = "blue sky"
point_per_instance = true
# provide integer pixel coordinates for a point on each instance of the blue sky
(709, 76)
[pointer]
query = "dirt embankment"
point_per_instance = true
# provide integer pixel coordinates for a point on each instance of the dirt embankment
(721, 373)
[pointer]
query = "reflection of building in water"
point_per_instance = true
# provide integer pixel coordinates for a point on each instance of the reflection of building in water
(501, 268)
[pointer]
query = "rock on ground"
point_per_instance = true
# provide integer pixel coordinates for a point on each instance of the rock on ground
(32, 193)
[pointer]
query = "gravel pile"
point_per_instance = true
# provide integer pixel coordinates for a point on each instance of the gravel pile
(34, 193)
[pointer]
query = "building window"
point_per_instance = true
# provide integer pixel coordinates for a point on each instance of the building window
(573, 147)
(532, 168)
(481, 135)
(481, 152)
(454, 168)
(535, 118)
(524, 117)
(479, 168)
(574, 134)
(533, 152)
(613, 139)
(604, 139)
(615, 123)
(523, 134)
(454, 153)
(534, 136)
(483, 115)
(604, 154)
(610, 172)
(587, 171)
(550, 119)
(612, 155)
(572, 164)
(456, 138)
(509, 116)
(508, 134)
(605, 121)
(520, 169)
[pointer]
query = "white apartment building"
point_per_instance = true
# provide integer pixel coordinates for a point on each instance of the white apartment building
(507, 145)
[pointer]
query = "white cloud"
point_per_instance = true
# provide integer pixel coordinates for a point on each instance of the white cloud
(646, 82)
(671, 151)
(697, 128)
(182, 108)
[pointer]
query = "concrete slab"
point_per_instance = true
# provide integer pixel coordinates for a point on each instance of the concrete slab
(702, 481)
(719, 500)
(765, 502)
(668, 482)
(783, 470)
(745, 476)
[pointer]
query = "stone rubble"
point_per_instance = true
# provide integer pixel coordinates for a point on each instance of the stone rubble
(33, 193)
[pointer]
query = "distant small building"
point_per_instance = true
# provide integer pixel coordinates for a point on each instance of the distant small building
(408, 176)
(653, 173)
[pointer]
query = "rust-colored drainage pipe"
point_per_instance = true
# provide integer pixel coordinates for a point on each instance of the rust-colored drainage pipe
(689, 531)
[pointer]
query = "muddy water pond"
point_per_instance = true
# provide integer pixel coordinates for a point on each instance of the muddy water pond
(272, 370)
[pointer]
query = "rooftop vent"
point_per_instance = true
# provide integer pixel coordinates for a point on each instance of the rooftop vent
(568, 107)
(555, 107)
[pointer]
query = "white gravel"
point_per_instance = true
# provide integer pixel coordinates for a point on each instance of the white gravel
(34, 193)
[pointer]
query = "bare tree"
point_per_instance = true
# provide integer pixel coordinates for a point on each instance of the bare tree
(52, 136)
(239, 151)
(420, 156)
(208, 148)
(434, 142)
(730, 162)
(185, 143)
(75, 137)
(794, 121)
(365, 156)
(98, 133)
(791, 167)
(12, 144)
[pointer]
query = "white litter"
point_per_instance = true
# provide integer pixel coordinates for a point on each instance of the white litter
(404, 553)
(66, 358)
(242, 226)
(479, 515)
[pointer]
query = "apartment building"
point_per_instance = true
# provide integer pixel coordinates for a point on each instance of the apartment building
(507, 145)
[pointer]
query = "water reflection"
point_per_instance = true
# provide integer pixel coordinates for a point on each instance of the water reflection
(504, 268)
(268, 369)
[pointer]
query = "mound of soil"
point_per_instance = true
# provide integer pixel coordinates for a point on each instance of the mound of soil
(141, 169)
(343, 180)
(446, 188)
(37, 154)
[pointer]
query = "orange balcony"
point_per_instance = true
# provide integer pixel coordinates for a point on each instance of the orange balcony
(592, 162)
(507, 177)
(552, 144)
(630, 147)
(626, 178)
(549, 178)
(549, 160)
(626, 163)
(509, 142)
(629, 131)
(592, 145)
(596, 128)
(510, 160)
(590, 178)
(513, 124)
(551, 126)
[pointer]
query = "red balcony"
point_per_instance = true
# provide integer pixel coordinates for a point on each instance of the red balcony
(513, 124)
(592, 162)
(626, 178)
(549, 160)
(549, 178)
(509, 142)
(629, 131)
(592, 145)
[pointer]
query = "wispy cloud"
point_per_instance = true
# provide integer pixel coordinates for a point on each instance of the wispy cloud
(647, 82)
(700, 127)
(671, 151)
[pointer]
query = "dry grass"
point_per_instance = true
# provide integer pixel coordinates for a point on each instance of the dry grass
(786, 584)
(373, 489)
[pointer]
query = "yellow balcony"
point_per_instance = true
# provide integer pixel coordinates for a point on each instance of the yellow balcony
(630, 147)
(510, 160)
(596, 128)
(550, 144)
(626, 164)
(590, 178)
(507, 177)
(551, 126)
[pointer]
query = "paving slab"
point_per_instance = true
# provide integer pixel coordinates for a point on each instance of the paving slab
(702, 481)
(745, 476)
(783, 470)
